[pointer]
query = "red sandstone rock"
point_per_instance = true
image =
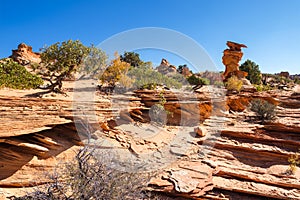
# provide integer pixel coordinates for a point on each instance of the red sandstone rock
(231, 59)
(201, 131)
(165, 67)
(24, 55)
(243, 160)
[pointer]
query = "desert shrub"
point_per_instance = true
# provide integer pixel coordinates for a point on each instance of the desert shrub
(263, 109)
(158, 113)
(178, 78)
(89, 178)
(297, 80)
(13, 75)
(115, 71)
(219, 84)
(261, 88)
(145, 77)
(294, 161)
(281, 80)
(94, 62)
(234, 84)
(194, 80)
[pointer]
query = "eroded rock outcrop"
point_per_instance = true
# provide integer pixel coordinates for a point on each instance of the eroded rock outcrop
(250, 160)
(236, 158)
(231, 59)
(166, 68)
(36, 135)
(24, 55)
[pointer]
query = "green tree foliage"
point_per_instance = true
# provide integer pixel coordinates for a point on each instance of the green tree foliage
(180, 68)
(94, 63)
(145, 77)
(132, 58)
(234, 84)
(194, 80)
(263, 109)
(254, 74)
(13, 75)
(61, 60)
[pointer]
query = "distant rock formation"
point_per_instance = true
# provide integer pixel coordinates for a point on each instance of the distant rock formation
(284, 74)
(24, 55)
(184, 70)
(165, 67)
(231, 59)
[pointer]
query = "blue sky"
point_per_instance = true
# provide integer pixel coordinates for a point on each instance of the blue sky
(270, 28)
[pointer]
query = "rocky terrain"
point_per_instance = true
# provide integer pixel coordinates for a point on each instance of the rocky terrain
(203, 144)
(229, 154)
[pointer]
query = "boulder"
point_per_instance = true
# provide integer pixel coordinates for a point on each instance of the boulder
(201, 131)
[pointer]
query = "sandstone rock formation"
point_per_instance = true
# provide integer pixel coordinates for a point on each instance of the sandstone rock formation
(284, 74)
(24, 55)
(236, 159)
(231, 59)
(186, 72)
(183, 108)
(165, 67)
(246, 160)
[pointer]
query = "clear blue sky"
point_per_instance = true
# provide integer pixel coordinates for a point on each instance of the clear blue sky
(270, 28)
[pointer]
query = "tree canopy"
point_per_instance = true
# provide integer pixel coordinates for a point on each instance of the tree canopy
(132, 58)
(63, 59)
(254, 74)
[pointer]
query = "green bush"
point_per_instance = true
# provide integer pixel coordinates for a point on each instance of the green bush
(194, 80)
(261, 88)
(263, 109)
(219, 84)
(13, 75)
(145, 77)
(297, 80)
(234, 84)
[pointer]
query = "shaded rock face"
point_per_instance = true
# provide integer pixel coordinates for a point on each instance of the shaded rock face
(24, 55)
(166, 68)
(180, 109)
(231, 59)
(36, 135)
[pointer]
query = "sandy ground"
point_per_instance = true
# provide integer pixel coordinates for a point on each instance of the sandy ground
(68, 89)
(67, 85)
